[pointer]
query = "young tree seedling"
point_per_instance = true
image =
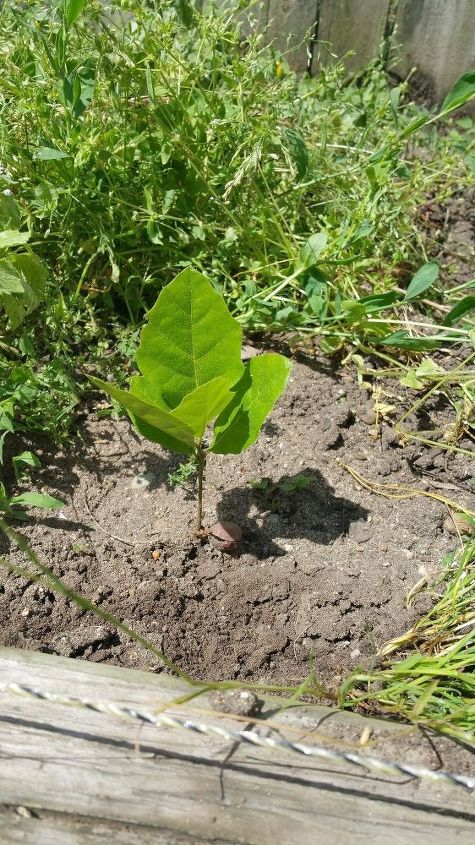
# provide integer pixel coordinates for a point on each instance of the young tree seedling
(191, 375)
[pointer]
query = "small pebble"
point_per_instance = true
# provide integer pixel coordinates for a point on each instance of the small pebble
(368, 417)
(240, 702)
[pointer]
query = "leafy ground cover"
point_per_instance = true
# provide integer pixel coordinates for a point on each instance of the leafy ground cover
(140, 139)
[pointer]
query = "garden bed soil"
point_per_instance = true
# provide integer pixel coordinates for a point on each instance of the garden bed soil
(322, 574)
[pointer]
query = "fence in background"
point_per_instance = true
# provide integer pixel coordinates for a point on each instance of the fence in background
(436, 36)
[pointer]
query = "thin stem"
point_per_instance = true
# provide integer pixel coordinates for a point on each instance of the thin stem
(201, 465)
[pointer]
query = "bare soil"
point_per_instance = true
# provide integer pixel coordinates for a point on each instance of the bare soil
(322, 573)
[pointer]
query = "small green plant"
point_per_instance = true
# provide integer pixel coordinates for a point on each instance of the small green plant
(9, 505)
(277, 495)
(189, 358)
(289, 485)
(179, 476)
(22, 274)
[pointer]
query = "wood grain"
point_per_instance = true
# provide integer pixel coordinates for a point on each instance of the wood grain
(101, 770)
(290, 22)
(437, 37)
(46, 828)
(253, 18)
(350, 26)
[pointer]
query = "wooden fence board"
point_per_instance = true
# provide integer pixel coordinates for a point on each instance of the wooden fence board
(253, 18)
(289, 24)
(437, 36)
(356, 25)
(75, 765)
(17, 828)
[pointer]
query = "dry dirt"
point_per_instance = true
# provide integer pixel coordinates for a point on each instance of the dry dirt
(323, 572)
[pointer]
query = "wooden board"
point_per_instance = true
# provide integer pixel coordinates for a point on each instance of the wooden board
(437, 37)
(356, 25)
(289, 24)
(82, 777)
(253, 18)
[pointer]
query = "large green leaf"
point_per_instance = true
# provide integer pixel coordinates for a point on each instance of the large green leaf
(424, 278)
(189, 340)
(9, 212)
(204, 404)
(311, 249)
(34, 274)
(153, 422)
(11, 237)
(22, 283)
(37, 500)
(465, 306)
(10, 278)
(197, 409)
(255, 395)
(71, 10)
(460, 93)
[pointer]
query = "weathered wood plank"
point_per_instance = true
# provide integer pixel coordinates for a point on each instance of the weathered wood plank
(349, 25)
(106, 771)
(253, 18)
(437, 37)
(290, 22)
(48, 828)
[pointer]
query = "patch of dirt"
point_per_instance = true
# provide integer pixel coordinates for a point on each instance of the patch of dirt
(450, 233)
(322, 572)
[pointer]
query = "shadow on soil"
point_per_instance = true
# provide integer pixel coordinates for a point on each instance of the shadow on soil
(287, 510)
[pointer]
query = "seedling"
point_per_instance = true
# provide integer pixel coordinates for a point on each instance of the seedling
(192, 375)
(274, 493)
(9, 505)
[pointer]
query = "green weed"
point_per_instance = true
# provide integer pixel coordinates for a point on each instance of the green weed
(428, 678)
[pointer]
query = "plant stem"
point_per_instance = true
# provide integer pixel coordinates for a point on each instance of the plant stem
(201, 465)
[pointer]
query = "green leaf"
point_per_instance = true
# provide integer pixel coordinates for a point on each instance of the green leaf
(11, 237)
(310, 251)
(184, 11)
(25, 459)
(49, 154)
(34, 273)
(353, 311)
(153, 422)
(9, 212)
(410, 379)
(10, 278)
(403, 340)
(429, 369)
(21, 286)
(71, 11)
(204, 404)
(414, 126)
(460, 93)
(424, 278)
(378, 301)
(459, 310)
(189, 340)
(297, 150)
(37, 500)
(22, 283)
(255, 395)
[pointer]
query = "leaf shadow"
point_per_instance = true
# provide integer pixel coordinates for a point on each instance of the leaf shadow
(273, 514)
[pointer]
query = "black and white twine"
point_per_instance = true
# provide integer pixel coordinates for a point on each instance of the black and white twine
(163, 720)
